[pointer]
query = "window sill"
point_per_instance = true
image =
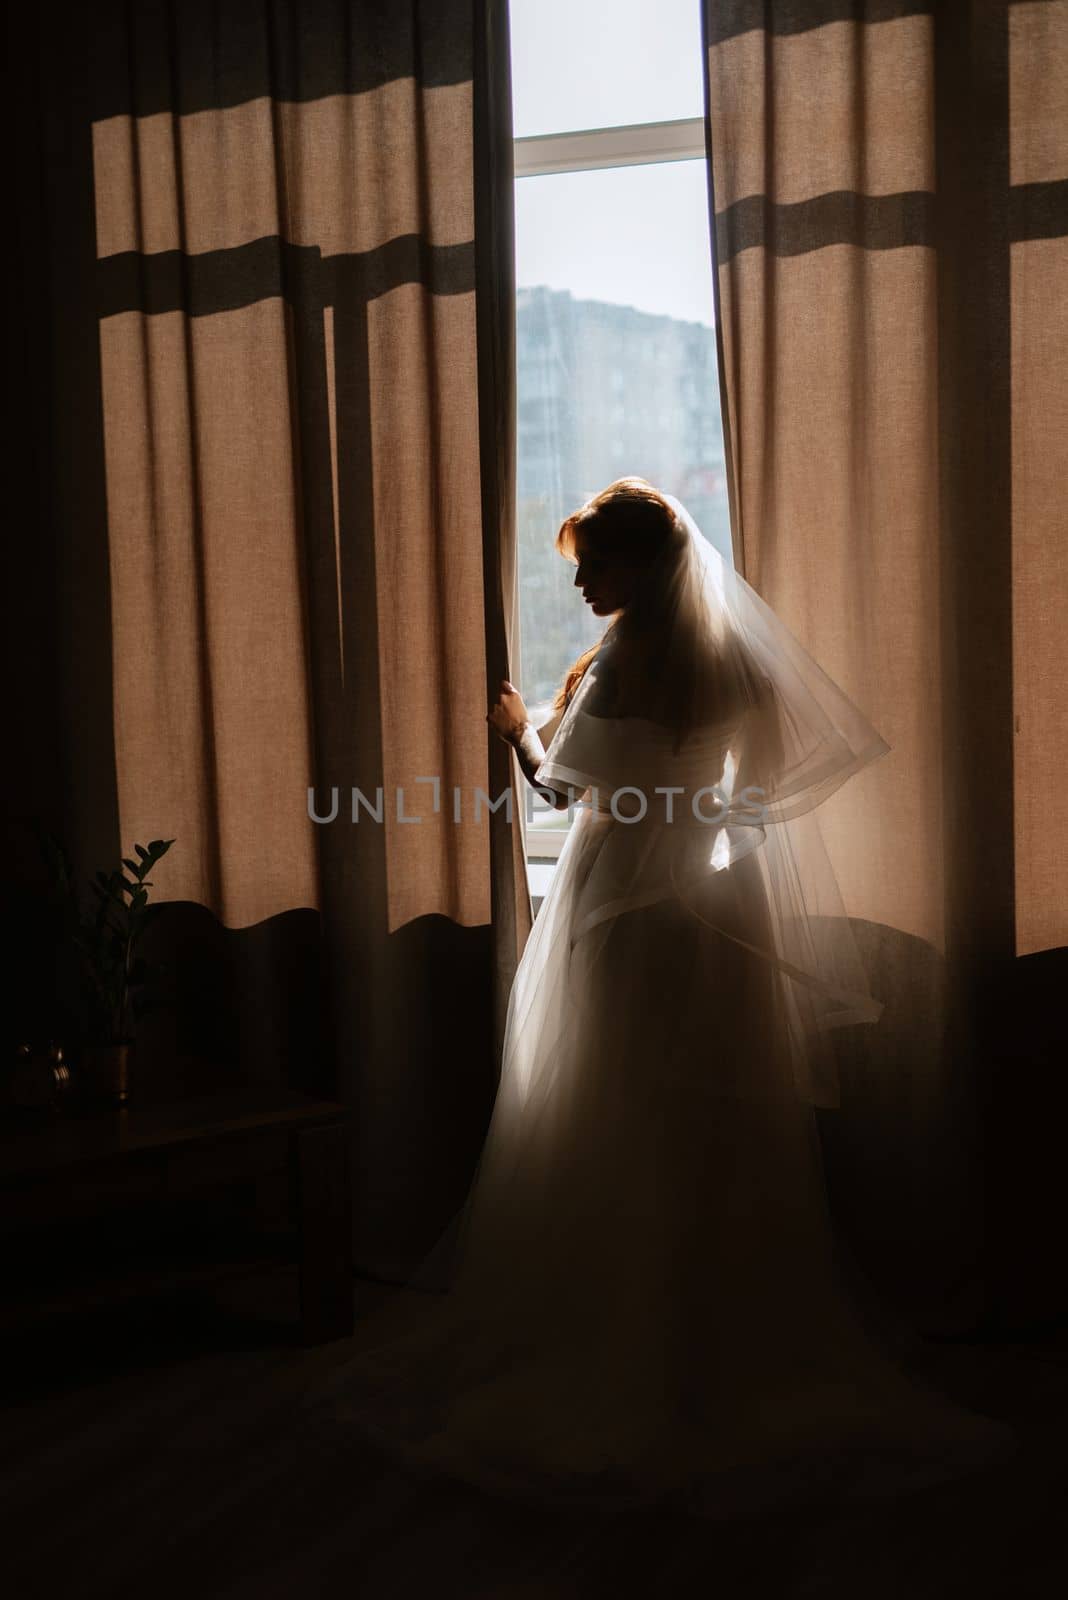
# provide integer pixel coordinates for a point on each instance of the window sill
(539, 876)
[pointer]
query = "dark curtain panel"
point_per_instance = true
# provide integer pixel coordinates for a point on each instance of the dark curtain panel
(889, 186)
(265, 363)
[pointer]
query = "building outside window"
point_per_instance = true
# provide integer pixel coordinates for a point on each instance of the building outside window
(615, 340)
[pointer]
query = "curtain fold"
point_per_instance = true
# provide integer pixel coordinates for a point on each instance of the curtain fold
(494, 177)
(301, 419)
(889, 190)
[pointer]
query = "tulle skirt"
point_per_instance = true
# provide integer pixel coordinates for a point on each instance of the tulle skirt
(644, 1304)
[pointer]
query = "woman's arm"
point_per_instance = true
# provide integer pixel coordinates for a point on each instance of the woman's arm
(509, 720)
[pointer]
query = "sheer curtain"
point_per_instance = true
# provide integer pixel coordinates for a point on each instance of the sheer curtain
(277, 258)
(888, 186)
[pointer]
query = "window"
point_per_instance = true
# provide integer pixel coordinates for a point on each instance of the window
(615, 342)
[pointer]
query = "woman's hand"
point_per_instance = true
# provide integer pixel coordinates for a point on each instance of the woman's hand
(508, 718)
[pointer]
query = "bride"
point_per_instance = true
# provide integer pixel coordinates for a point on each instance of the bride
(644, 1303)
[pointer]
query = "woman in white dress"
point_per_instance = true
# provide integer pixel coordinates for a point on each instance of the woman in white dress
(644, 1303)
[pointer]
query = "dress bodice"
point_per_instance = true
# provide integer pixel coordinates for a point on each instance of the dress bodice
(635, 754)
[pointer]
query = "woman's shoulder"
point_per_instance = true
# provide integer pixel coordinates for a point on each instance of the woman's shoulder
(626, 690)
(600, 692)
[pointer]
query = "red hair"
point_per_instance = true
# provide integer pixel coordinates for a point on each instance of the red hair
(630, 520)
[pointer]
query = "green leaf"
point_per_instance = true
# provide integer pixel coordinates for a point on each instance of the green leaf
(132, 866)
(141, 851)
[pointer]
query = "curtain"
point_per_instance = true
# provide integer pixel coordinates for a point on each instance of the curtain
(889, 189)
(283, 233)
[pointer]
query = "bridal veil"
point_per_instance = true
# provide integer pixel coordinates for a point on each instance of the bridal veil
(771, 737)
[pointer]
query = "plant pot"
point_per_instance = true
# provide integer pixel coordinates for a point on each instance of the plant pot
(105, 1073)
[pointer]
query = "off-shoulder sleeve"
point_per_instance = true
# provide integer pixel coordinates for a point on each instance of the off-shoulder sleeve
(593, 748)
(588, 752)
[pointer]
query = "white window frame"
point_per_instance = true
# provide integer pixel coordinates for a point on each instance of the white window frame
(588, 149)
(629, 146)
(545, 844)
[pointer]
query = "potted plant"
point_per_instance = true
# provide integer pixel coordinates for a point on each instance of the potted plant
(108, 939)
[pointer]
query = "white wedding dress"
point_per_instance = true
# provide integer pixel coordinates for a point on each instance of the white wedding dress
(645, 1305)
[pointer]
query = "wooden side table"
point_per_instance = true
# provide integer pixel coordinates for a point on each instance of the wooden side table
(66, 1169)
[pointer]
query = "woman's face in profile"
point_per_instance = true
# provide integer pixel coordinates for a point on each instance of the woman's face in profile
(606, 584)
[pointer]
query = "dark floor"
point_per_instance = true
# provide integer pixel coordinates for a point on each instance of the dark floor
(165, 1445)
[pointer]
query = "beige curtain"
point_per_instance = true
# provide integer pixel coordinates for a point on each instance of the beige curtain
(889, 185)
(302, 228)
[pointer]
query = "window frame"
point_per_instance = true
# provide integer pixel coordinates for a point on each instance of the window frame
(632, 144)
